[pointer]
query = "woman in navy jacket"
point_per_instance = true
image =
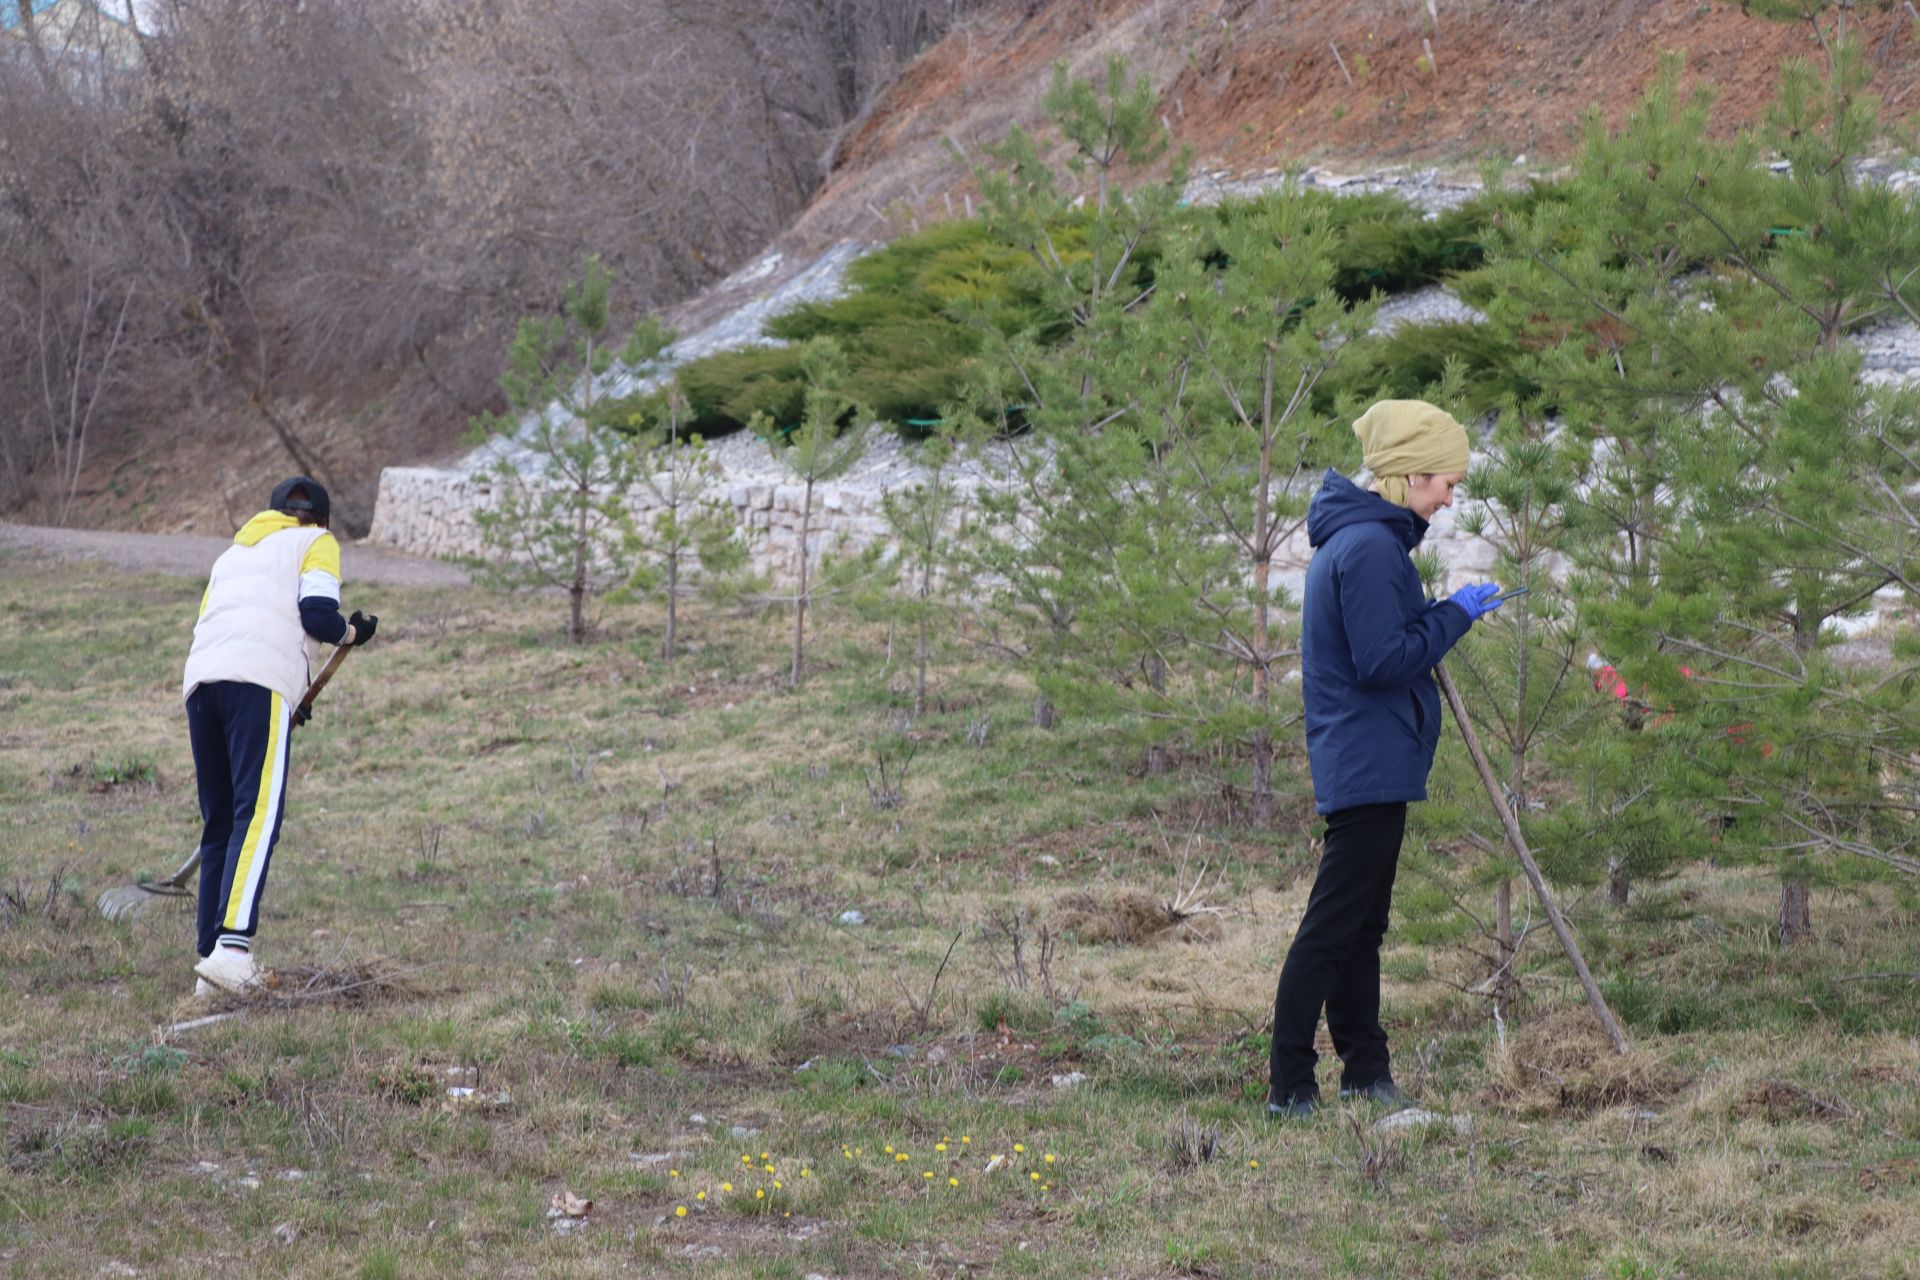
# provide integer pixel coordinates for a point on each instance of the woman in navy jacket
(1370, 641)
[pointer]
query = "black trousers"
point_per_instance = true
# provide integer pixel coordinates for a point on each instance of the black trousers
(239, 736)
(1335, 958)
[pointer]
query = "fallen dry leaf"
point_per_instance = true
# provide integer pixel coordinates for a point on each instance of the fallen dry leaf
(567, 1204)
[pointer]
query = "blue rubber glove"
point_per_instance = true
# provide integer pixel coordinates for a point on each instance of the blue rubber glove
(1477, 598)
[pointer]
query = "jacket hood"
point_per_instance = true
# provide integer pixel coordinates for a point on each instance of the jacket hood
(263, 524)
(1340, 502)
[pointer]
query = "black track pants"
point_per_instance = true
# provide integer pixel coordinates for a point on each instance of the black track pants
(1335, 958)
(239, 735)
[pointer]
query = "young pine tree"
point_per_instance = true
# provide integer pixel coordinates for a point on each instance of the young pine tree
(922, 519)
(1087, 241)
(829, 438)
(1743, 447)
(561, 477)
(690, 523)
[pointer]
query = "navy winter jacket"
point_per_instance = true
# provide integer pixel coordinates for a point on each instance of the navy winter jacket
(1370, 639)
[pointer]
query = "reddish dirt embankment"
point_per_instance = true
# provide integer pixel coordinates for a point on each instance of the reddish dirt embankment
(1251, 84)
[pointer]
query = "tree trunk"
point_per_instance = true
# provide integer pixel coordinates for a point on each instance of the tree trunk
(1796, 913)
(920, 679)
(1503, 927)
(673, 605)
(800, 596)
(1619, 883)
(577, 589)
(1262, 585)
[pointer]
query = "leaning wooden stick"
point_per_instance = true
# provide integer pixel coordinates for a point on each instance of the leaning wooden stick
(1519, 843)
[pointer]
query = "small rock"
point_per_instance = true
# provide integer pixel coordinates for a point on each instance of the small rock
(852, 918)
(206, 1166)
(321, 933)
(1419, 1118)
(1047, 860)
(247, 1183)
(702, 1251)
(900, 1051)
(566, 1226)
(286, 1233)
(292, 1175)
(805, 1066)
(1069, 1080)
(937, 1054)
(116, 1269)
(696, 1118)
(653, 1157)
(741, 1131)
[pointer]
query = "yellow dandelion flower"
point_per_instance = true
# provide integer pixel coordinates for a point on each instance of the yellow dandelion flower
(965, 1140)
(1019, 1148)
(701, 1196)
(939, 1146)
(680, 1211)
(889, 1148)
(766, 1155)
(1253, 1164)
(928, 1175)
(856, 1151)
(953, 1182)
(1035, 1175)
(845, 1154)
(759, 1193)
(746, 1160)
(726, 1186)
(1049, 1157)
(673, 1173)
(787, 1214)
(806, 1173)
(901, 1158)
(777, 1184)
(1046, 1186)
(769, 1168)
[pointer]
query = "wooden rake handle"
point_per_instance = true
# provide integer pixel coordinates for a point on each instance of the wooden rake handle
(1561, 929)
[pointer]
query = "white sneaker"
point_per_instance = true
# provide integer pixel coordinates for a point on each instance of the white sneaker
(203, 990)
(231, 970)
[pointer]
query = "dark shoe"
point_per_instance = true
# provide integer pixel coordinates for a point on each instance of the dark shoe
(1382, 1093)
(1299, 1106)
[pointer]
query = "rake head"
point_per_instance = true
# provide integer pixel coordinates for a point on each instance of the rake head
(125, 903)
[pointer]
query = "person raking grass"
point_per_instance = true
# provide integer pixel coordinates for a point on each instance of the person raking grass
(272, 600)
(1370, 639)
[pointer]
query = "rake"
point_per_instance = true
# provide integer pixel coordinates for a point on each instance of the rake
(127, 902)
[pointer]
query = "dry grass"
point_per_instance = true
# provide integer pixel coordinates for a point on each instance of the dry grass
(1563, 1063)
(1130, 917)
(566, 882)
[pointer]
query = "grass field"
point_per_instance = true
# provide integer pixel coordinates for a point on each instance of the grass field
(605, 894)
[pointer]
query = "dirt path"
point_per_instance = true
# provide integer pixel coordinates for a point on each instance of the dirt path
(190, 555)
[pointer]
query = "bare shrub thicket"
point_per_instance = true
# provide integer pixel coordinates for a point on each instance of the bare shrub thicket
(295, 214)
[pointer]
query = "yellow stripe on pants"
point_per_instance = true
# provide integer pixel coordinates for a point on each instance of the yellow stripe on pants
(266, 812)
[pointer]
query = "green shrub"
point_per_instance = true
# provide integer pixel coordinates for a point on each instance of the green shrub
(1404, 364)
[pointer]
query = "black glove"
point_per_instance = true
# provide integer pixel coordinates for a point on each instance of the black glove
(302, 714)
(363, 625)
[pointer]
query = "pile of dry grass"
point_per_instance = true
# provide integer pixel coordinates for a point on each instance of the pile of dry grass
(1564, 1064)
(1777, 1102)
(349, 984)
(1129, 917)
